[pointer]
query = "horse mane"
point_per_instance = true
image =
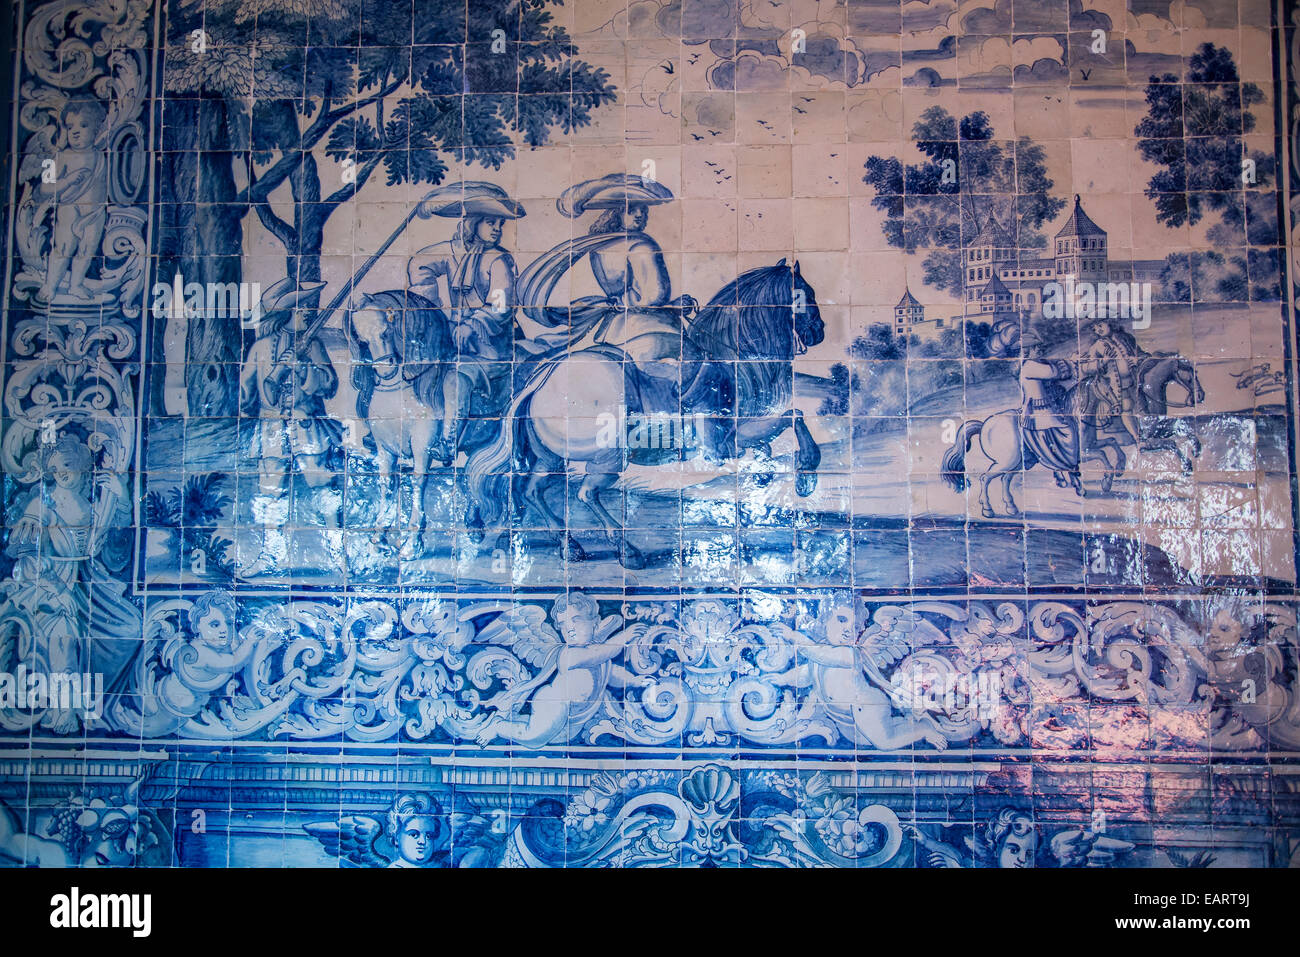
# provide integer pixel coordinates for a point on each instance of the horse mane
(421, 319)
(750, 319)
(718, 328)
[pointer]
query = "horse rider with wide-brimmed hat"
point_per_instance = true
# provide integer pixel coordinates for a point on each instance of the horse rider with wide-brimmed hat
(479, 278)
(637, 313)
(1049, 432)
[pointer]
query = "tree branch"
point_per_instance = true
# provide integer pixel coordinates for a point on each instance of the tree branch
(278, 227)
(285, 166)
(343, 193)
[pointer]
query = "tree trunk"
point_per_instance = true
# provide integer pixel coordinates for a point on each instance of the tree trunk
(203, 241)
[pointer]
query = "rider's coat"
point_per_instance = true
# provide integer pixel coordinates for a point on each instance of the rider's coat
(642, 321)
(1113, 361)
(481, 282)
(1048, 432)
(287, 393)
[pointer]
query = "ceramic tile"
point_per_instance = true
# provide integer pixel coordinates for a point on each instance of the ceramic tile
(648, 434)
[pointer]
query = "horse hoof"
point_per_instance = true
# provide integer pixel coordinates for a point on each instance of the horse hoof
(764, 479)
(805, 484)
(631, 557)
(475, 534)
(573, 551)
(988, 512)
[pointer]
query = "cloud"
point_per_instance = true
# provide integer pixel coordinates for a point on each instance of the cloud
(926, 77)
(750, 41)
(748, 72)
(1145, 64)
(1007, 17)
(1043, 71)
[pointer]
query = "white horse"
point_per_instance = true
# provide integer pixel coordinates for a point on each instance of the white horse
(397, 340)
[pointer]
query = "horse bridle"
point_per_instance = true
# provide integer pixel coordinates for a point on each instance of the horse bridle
(383, 380)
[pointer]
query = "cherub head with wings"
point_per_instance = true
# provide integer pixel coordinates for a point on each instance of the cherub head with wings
(1011, 838)
(840, 619)
(415, 835)
(576, 616)
(415, 828)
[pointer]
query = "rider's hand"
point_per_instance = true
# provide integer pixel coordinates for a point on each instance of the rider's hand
(688, 305)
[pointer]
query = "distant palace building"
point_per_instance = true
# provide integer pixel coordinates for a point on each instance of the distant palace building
(909, 318)
(999, 284)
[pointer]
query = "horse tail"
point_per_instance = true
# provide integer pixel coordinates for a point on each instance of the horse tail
(954, 460)
(487, 470)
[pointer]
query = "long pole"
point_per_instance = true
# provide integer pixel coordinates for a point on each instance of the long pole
(324, 315)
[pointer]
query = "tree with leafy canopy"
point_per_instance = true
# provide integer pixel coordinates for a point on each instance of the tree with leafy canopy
(1194, 131)
(969, 181)
(260, 91)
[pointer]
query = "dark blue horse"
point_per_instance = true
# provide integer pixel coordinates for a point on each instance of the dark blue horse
(587, 407)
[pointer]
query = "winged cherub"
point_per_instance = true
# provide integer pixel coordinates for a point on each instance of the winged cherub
(574, 669)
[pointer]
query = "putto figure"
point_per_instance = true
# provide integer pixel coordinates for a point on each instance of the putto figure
(415, 834)
(845, 672)
(79, 198)
(179, 683)
(575, 668)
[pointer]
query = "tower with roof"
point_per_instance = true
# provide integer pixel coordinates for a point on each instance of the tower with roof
(908, 312)
(1080, 248)
(989, 251)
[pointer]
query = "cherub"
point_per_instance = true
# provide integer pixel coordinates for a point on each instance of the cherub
(1010, 839)
(1246, 677)
(179, 683)
(416, 835)
(847, 677)
(218, 649)
(79, 197)
(18, 848)
(573, 674)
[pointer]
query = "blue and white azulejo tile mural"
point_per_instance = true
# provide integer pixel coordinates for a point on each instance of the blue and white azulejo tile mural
(650, 434)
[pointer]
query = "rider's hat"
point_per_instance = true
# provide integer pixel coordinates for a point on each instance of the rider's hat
(289, 294)
(458, 200)
(615, 191)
